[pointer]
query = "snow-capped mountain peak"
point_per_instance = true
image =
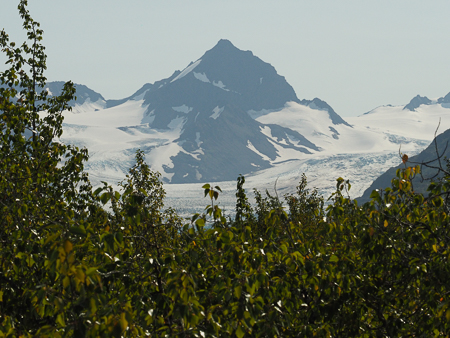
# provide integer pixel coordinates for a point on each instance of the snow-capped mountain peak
(225, 114)
(197, 124)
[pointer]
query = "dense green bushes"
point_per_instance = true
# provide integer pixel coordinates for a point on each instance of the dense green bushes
(70, 268)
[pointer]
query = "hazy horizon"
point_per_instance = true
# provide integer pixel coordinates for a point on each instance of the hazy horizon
(354, 55)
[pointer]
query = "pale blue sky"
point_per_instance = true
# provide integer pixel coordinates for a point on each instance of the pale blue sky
(355, 55)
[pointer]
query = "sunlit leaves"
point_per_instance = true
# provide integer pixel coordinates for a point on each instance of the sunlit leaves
(71, 268)
(405, 158)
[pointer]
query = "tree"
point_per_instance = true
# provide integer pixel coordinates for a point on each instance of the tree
(100, 264)
(46, 204)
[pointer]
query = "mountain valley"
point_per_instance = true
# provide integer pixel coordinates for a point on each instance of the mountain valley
(230, 113)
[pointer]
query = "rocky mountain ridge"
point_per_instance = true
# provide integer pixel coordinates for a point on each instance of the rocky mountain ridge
(230, 113)
(210, 110)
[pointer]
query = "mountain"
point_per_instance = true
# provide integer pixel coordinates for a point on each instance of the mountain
(444, 101)
(418, 119)
(230, 113)
(84, 96)
(201, 123)
(322, 105)
(417, 101)
(210, 99)
(223, 75)
(420, 182)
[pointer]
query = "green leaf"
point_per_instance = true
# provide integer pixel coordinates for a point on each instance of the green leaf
(77, 230)
(90, 271)
(142, 191)
(299, 257)
(119, 238)
(374, 194)
(238, 291)
(200, 222)
(109, 240)
(334, 258)
(97, 191)
(60, 320)
(68, 246)
(105, 197)
(240, 332)
(123, 321)
(339, 181)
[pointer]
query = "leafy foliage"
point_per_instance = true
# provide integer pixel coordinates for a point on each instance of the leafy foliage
(98, 264)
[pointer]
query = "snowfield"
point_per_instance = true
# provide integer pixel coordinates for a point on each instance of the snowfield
(359, 153)
(229, 111)
(321, 172)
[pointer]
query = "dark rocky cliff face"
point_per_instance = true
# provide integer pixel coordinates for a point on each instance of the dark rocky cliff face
(212, 104)
(212, 97)
(429, 156)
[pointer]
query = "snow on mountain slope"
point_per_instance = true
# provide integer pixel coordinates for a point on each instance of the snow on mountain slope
(361, 153)
(395, 120)
(317, 127)
(113, 135)
(321, 173)
(187, 70)
(88, 106)
(127, 114)
(230, 113)
(193, 126)
(422, 181)
(212, 95)
(357, 153)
